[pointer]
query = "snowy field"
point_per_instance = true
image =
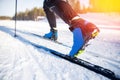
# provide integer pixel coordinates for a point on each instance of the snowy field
(20, 60)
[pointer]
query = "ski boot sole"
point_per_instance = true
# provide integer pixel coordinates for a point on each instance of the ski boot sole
(94, 34)
(79, 52)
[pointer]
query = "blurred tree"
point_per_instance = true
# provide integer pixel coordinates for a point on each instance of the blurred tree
(75, 5)
(30, 14)
(5, 18)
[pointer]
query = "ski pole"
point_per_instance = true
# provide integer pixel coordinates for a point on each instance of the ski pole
(15, 16)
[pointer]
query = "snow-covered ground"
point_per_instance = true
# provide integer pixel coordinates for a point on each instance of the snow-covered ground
(20, 60)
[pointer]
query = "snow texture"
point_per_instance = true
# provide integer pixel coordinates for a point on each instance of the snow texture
(20, 60)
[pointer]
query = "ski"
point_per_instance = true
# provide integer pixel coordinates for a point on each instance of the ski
(98, 69)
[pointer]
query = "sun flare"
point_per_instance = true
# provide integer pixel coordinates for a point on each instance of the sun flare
(106, 5)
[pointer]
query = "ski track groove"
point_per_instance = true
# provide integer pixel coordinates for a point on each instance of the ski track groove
(31, 59)
(104, 58)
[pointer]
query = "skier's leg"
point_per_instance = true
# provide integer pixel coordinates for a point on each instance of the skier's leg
(65, 11)
(82, 30)
(52, 22)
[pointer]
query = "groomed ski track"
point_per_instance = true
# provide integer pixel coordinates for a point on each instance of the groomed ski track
(38, 46)
(20, 60)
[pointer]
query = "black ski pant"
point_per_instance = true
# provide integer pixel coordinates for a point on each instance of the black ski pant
(59, 7)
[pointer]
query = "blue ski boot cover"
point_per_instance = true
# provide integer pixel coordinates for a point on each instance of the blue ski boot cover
(53, 35)
(78, 42)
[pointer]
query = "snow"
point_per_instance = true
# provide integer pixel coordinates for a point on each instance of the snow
(20, 60)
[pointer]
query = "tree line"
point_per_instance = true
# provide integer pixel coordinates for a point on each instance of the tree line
(5, 18)
(30, 14)
(94, 6)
